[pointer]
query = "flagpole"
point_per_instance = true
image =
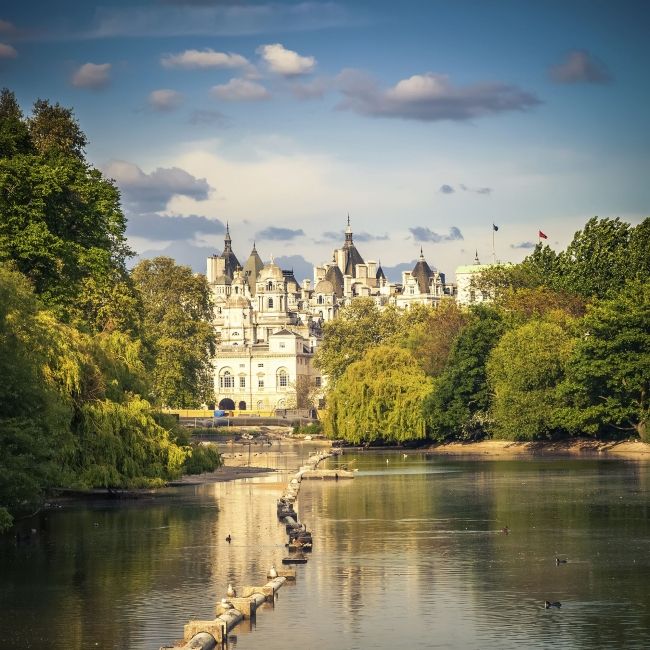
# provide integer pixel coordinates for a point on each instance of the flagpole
(494, 256)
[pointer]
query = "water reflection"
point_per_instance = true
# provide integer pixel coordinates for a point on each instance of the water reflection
(408, 554)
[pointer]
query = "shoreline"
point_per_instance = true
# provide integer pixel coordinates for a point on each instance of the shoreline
(578, 447)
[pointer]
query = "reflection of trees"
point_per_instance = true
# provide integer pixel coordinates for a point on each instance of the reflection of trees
(436, 538)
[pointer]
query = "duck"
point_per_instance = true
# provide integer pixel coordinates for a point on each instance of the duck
(273, 573)
(405, 455)
(560, 560)
(505, 530)
(229, 538)
(231, 593)
(548, 604)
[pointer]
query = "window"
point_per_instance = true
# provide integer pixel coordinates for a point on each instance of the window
(472, 296)
(242, 382)
(320, 300)
(227, 380)
(260, 365)
(317, 381)
(282, 345)
(270, 303)
(260, 382)
(283, 378)
(269, 286)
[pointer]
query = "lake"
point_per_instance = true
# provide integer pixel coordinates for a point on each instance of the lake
(409, 554)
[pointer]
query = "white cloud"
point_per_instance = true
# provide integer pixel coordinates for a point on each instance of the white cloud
(241, 90)
(286, 62)
(429, 97)
(92, 75)
(164, 99)
(207, 58)
(7, 51)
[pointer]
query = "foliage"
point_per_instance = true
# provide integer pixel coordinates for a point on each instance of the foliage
(61, 220)
(524, 371)
(460, 398)
(204, 458)
(357, 328)
(311, 429)
(379, 398)
(177, 331)
(430, 339)
(608, 375)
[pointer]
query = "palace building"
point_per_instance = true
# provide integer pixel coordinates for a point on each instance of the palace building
(269, 326)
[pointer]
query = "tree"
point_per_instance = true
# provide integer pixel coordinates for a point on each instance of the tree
(524, 371)
(178, 332)
(358, 327)
(379, 398)
(459, 401)
(61, 221)
(430, 340)
(608, 374)
(14, 134)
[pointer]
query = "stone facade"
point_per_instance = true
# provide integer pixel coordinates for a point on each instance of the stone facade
(268, 326)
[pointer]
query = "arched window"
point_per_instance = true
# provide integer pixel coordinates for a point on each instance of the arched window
(269, 286)
(270, 303)
(283, 378)
(226, 380)
(242, 406)
(320, 300)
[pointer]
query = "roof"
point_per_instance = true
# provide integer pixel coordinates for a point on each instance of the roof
(324, 286)
(252, 269)
(380, 273)
(422, 273)
(335, 276)
(271, 270)
(286, 332)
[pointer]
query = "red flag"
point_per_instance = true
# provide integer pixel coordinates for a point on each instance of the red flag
(541, 235)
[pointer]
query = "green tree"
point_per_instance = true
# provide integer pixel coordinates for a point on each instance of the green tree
(178, 330)
(61, 221)
(379, 398)
(524, 371)
(357, 328)
(608, 374)
(431, 339)
(458, 404)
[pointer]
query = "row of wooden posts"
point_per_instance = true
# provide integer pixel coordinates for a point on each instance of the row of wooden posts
(232, 610)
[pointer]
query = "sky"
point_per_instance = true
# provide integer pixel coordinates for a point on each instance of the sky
(426, 122)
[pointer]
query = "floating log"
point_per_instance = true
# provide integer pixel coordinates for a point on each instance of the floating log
(296, 559)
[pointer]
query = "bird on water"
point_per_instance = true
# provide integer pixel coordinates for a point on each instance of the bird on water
(231, 593)
(229, 538)
(548, 604)
(560, 560)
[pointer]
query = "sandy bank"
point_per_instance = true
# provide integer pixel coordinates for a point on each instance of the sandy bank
(632, 449)
(224, 473)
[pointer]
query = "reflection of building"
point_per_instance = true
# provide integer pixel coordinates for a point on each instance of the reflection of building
(268, 325)
(467, 293)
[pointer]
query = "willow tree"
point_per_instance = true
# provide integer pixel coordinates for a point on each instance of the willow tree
(379, 398)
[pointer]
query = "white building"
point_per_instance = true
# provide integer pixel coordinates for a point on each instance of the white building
(268, 326)
(467, 293)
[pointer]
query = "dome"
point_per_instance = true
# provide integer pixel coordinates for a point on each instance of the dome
(237, 301)
(324, 286)
(271, 271)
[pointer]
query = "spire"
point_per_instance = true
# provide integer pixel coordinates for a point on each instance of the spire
(254, 249)
(227, 242)
(348, 233)
(476, 258)
(421, 253)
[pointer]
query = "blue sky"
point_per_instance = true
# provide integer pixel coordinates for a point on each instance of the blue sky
(426, 121)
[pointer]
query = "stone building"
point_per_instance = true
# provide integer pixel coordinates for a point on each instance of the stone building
(268, 325)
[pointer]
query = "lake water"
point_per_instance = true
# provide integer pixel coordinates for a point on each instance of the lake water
(409, 554)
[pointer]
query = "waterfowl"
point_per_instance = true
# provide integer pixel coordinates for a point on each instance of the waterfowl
(229, 538)
(548, 604)
(560, 560)
(405, 455)
(505, 530)
(273, 572)
(231, 593)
